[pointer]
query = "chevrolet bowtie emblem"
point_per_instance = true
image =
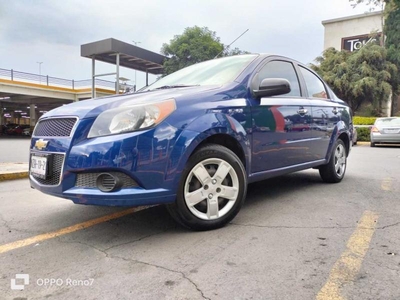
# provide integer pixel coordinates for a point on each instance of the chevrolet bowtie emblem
(41, 144)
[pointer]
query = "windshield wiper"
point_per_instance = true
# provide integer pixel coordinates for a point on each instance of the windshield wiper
(174, 86)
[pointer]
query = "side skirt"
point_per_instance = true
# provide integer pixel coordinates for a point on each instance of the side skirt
(281, 171)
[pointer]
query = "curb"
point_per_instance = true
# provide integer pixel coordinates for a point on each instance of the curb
(14, 175)
(363, 143)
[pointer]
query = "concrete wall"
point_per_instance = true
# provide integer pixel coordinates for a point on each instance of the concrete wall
(336, 29)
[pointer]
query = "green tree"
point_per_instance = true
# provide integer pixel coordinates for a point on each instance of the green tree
(392, 44)
(376, 3)
(390, 33)
(371, 3)
(363, 76)
(195, 45)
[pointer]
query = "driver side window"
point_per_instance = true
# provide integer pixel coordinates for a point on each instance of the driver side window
(281, 69)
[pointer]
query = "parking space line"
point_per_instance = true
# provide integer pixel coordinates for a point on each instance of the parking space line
(349, 264)
(69, 229)
(386, 184)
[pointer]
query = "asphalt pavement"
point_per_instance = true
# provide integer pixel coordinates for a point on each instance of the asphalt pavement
(295, 238)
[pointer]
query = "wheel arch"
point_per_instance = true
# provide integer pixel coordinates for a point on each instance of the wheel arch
(346, 140)
(228, 133)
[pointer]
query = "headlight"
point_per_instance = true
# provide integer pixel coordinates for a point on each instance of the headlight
(131, 118)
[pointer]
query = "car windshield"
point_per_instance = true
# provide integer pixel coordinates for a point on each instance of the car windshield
(212, 72)
(388, 122)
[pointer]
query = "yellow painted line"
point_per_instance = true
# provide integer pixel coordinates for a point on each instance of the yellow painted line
(36, 85)
(11, 176)
(386, 184)
(349, 264)
(66, 230)
(81, 91)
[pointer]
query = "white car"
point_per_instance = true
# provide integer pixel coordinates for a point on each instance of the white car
(26, 132)
(385, 130)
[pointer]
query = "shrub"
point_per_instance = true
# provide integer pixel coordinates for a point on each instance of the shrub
(364, 120)
(363, 134)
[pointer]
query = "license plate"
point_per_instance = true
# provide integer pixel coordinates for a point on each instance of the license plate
(391, 130)
(39, 166)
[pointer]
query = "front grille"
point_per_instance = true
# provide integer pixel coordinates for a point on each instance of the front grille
(55, 127)
(88, 180)
(54, 178)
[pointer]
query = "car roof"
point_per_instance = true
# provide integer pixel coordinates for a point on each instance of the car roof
(265, 55)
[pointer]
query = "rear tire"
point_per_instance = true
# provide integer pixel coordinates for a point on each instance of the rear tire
(334, 170)
(212, 189)
(372, 144)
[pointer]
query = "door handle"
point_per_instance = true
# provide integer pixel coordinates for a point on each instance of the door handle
(335, 111)
(302, 111)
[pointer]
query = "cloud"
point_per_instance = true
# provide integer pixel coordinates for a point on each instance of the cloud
(52, 31)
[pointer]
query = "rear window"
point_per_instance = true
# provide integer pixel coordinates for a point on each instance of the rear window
(391, 122)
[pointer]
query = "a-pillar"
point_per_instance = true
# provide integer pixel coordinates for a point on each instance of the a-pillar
(32, 115)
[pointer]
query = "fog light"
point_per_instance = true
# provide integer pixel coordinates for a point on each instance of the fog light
(108, 183)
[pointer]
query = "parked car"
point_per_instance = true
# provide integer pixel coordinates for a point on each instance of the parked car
(194, 139)
(3, 129)
(385, 131)
(6, 127)
(27, 131)
(16, 130)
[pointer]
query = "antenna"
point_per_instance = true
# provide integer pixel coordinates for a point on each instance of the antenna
(231, 43)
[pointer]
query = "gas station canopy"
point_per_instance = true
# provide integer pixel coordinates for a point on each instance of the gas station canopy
(130, 56)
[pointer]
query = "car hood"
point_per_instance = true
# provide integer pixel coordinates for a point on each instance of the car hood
(93, 107)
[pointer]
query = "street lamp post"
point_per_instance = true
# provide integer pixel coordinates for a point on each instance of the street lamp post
(134, 89)
(40, 71)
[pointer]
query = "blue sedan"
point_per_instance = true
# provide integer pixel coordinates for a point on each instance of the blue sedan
(194, 139)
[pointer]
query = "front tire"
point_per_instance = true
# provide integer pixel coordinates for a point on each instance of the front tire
(212, 189)
(334, 170)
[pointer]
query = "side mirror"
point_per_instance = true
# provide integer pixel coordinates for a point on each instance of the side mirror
(272, 87)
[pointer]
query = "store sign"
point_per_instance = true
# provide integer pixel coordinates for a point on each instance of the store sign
(357, 42)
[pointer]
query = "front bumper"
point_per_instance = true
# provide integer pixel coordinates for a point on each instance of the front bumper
(123, 197)
(142, 156)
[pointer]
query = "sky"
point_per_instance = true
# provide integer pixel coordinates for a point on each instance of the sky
(51, 31)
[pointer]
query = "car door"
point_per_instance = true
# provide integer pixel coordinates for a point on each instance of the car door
(281, 124)
(326, 113)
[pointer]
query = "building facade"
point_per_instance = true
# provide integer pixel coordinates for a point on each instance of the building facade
(351, 33)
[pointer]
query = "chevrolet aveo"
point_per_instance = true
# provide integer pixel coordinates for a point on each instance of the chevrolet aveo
(193, 140)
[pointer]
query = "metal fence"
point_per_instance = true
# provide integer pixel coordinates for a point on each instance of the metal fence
(59, 82)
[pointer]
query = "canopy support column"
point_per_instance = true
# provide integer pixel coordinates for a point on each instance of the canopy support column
(32, 115)
(117, 63)
(93, 77)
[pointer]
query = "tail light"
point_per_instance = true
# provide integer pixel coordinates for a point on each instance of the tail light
(374, 129)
